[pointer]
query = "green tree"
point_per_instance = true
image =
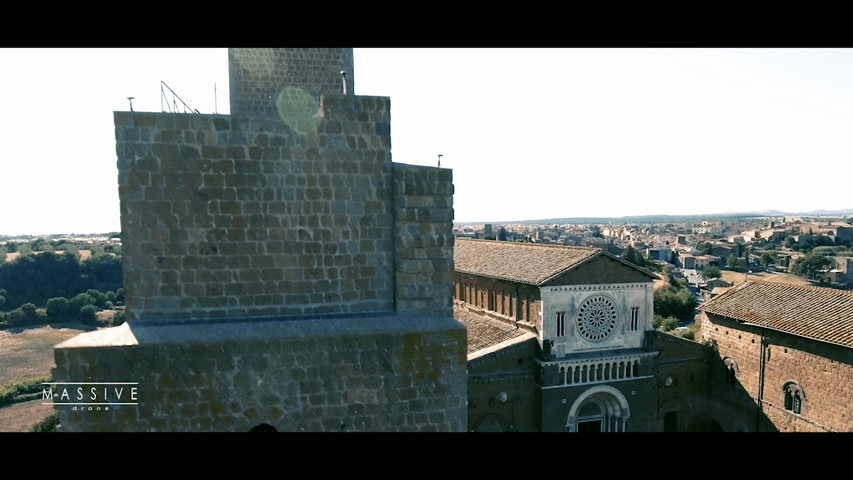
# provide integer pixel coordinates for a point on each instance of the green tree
(689, 333)
(704, 247)
(791, 243)
(56, 306)
(665, 324)
(596, 231)
(630, 254)
(670, 302)
(26, 314)
(99, 297)
(768, 257)
(711, 272)
(731, 262)
(810, 266)
(88, 314)
(119, 317)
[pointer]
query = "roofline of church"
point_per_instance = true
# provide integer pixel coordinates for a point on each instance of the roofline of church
(707, 308)
(598, 252)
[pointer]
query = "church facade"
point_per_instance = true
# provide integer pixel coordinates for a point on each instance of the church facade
(561, 339)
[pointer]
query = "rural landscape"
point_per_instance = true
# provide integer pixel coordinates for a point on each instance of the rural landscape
(53, 288)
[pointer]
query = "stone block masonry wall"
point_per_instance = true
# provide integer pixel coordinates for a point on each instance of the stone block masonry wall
(232, 216)
(279, 269)
(361, 374)
(423, 221)
(260, 78)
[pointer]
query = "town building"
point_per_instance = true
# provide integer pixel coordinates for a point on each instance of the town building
(684, 259)
(787, 357)
(840, 270)
(561, 339)
(708, 228)
(722, 250)
(771, 357)
(662, 253)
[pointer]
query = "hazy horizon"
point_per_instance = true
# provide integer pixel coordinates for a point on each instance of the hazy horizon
(563, 132)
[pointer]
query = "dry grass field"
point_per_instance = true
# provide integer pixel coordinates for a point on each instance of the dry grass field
(26, 354)
(85, 254)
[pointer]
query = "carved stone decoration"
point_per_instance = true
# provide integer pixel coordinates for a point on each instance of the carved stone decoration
(596, 318)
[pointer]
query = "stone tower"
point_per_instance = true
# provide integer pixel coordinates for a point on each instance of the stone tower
(280, 270)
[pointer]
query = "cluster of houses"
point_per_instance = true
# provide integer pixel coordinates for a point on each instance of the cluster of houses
(678, 244)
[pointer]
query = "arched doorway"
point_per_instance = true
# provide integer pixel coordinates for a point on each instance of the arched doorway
(492, 423)
(599, 409)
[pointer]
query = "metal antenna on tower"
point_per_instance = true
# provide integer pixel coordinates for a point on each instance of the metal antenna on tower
(130, 99)
(439, 160)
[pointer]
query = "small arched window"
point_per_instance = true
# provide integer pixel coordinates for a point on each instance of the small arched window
(794, 397)
(731, 371)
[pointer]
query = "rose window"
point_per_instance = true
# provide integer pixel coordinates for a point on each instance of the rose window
(596, 318)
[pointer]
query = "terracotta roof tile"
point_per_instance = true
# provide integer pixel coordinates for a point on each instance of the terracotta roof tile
(818, 313)
(484, 332)
(519, 262)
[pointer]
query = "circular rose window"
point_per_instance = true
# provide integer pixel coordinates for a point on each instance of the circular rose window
(596, 318)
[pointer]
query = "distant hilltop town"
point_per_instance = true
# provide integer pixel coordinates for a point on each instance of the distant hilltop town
(746, 243)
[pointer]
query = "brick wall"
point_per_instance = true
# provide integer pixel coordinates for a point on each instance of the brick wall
(824, 371)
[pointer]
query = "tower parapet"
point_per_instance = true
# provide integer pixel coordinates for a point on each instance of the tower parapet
(280, 270)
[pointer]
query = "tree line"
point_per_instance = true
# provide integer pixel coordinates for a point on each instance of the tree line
(55, 286)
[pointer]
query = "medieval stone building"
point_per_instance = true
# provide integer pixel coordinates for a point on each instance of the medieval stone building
(561, 339)
(786, 356)
(281, 272)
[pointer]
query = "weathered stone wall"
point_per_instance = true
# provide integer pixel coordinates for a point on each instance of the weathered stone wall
(681, 370)
(423, 222)
(502, 393)
(279, 270)
(824, 371)
(232, 216)
(266, 81)
(359, 373)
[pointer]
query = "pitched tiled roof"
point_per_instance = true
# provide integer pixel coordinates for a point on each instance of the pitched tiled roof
(818, 313)
(519, 262)
(485, 332)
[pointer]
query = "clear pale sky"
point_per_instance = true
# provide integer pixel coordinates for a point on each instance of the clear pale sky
(528, 133)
